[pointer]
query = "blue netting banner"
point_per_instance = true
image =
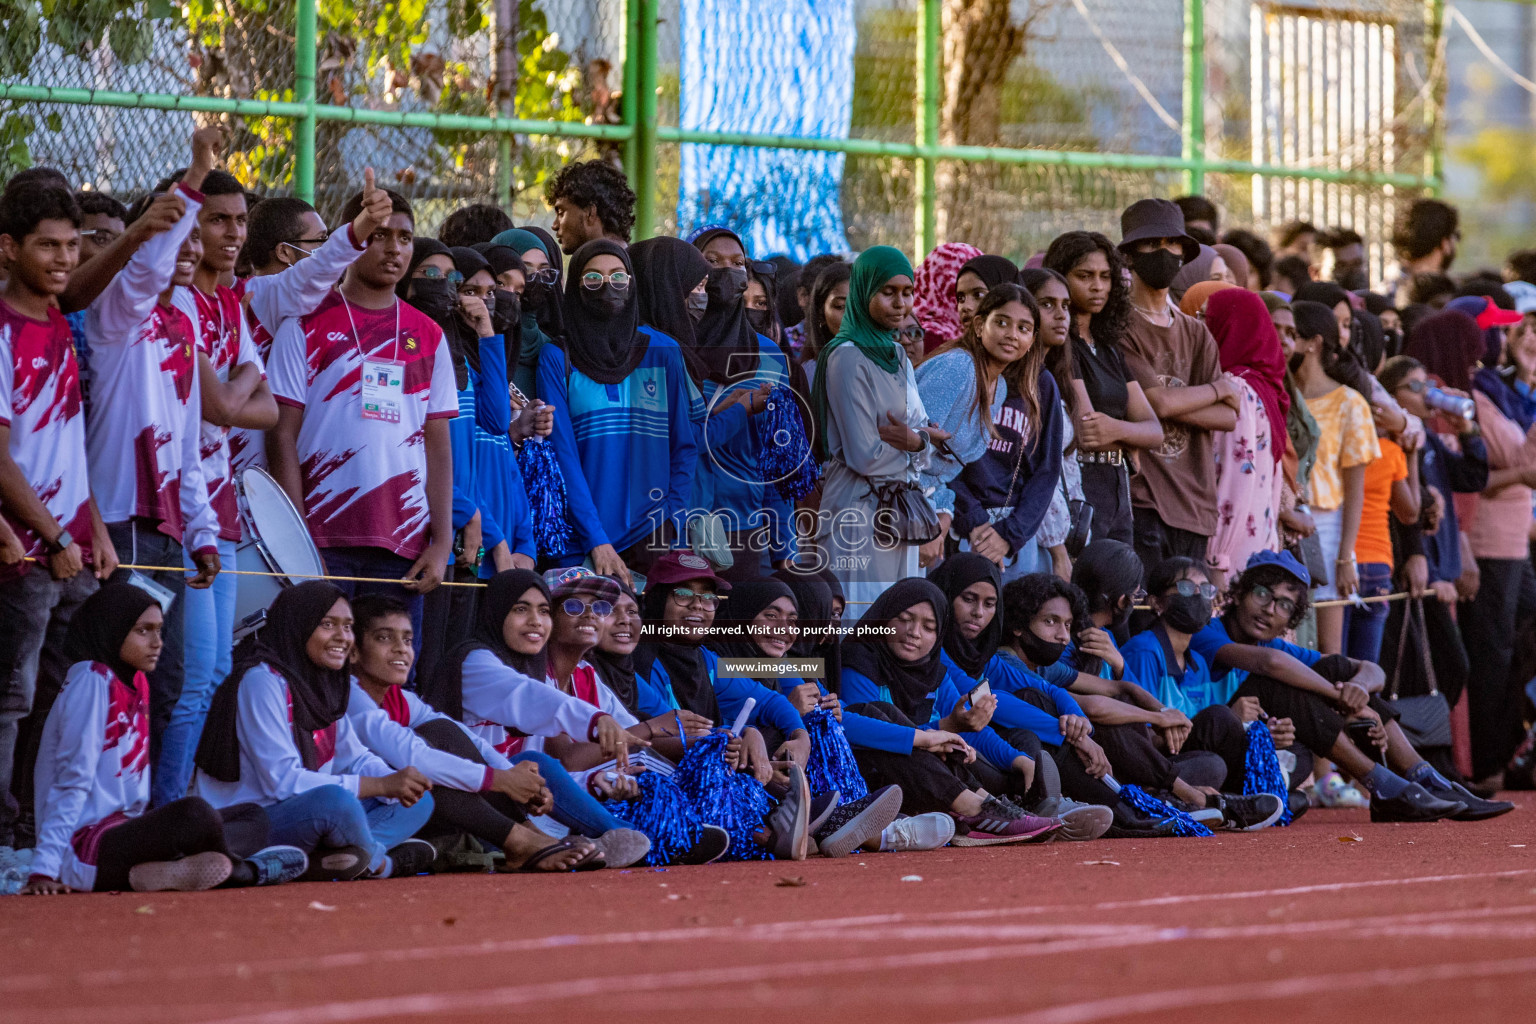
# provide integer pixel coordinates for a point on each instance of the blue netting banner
(800, 82)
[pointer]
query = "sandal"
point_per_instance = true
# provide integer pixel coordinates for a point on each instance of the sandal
(592, 860)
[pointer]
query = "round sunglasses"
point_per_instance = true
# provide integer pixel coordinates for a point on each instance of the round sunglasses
(575, 606)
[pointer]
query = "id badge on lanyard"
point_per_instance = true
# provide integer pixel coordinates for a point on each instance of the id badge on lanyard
(383, 389)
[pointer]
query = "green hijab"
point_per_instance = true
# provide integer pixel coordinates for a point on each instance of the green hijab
(871, 271)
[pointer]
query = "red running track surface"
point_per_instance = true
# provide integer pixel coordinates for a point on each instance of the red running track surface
(1412, 922)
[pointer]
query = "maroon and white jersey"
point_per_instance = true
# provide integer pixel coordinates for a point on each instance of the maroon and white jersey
(364, 478)
(40, 402)
(274, 298)
(143, 435)
(225, 338)
(92, 769)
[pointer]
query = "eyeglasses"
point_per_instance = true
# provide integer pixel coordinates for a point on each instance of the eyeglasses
(592, 280)
(912, 333)
(1189, 588)
(310, 241)
(549, 275)
(1140, 596)
(575, 606)
(438, 274)
(101, 236)
(1266, 597)
(682, 595)
(1416, 386)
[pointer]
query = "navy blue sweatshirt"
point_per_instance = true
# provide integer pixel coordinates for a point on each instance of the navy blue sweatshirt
(984, 484)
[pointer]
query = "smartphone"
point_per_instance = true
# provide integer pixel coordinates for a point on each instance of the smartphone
(983, 689)
(1360, 732)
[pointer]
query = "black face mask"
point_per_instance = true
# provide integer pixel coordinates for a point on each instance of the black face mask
(1394, 340)
(758, 318)
(726, 285)
(1122, 618)
(1157, 268)
(1040, 652)
(697, 302)
(1352, 279)
(606, 302)
(437, 297)
(1187, 614)
(535, 295)
(507, 312)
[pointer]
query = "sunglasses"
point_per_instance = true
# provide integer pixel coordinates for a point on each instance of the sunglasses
(685, 596)
(575, 606)
(1189, 588)
(592, 280)
(1418, 387)
(438, 274)
(1266, 597)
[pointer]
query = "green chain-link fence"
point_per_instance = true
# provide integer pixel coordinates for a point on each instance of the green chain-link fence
(1002, 122)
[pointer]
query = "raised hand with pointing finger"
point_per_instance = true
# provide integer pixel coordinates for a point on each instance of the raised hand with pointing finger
(377, 206)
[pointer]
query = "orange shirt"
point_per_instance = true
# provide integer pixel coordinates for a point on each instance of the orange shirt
(1374, 541)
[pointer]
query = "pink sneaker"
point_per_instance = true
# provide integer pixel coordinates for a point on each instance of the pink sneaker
(1000, 823)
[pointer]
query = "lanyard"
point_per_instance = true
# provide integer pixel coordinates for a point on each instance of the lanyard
(361, 355)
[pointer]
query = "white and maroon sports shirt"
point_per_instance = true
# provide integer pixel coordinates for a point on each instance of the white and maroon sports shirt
(225, 338)
(271, 300)
(364, 479)
(143, 435)
(92, 769)
(40, 402)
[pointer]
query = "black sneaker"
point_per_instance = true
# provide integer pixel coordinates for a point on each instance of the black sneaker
(1249, 813)
(822, 807)
(1299, 803)
(857, 822)
(337, 864)
(1477, 809)
(1414, 804)
(411, 857)
(712, 845)
(789, 836)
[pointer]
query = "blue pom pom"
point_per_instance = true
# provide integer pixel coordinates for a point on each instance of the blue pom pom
(1152, 807)
(784, 453)
(1261, 769)
(722, 796)
(832, 764)
(546, 496)
(663, 814)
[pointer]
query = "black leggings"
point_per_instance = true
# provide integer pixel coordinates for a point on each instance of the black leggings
(488, 817)
(928, 782)
(1218, 729)
(1011, 783)
(175, 830)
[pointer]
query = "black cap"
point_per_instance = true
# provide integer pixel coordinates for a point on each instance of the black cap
(1155, 218)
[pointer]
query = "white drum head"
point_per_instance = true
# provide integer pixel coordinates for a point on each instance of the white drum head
(277, 527)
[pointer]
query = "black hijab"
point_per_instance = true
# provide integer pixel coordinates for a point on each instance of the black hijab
(666, 270)
(507, 317)
(445, 691)
(813, 598)
(994, 270)
(748, 597)
(421, 248)
(605, 346)
(102, 623)
(501, 258)
(468, 262)
(725, 345)
(953, 576)
(618, 670)
(910, 682)
(681, 656)
(318, 695)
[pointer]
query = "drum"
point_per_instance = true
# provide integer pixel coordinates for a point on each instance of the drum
(276, 540)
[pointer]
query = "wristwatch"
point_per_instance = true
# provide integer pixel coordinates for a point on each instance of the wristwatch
(59, 544)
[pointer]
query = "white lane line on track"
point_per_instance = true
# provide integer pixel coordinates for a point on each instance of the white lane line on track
(765, 932)
(1249, 991)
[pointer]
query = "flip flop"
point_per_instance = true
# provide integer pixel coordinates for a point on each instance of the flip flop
(592, 861)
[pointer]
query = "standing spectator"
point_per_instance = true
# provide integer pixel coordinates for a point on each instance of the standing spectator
(1199, 212)
(1176, 362)
(1297, 238)
(541, 313)
(102, 222)
(978, 276)
(934, 302)
(1349, 269)
(470, 225)
(804, 284)
(1426, 242)
(365, 387)
(591, 200)
(1260, 257)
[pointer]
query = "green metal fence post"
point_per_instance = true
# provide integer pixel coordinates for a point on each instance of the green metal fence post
(644, 140)
(304, 93)
(1434, 111)
(630, 107)
(1194, 94)
(925, 227)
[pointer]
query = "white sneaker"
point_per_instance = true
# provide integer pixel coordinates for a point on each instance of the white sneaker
(920, 832)
(1333, 791)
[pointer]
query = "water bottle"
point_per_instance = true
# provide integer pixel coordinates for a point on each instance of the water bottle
(1452, 404)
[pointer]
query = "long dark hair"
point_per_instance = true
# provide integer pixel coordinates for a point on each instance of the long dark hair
(1022, 375)
(1067, 251)
(1059, 360)
(817, 333)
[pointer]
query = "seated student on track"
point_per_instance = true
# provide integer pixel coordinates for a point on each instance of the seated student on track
(1180, 591)
(972, 635)
(277, 735)
(761, 622)
(892, 671)
(674, 672)
(495, 684)
(475, 789)
(92, 776)
(1321, 695)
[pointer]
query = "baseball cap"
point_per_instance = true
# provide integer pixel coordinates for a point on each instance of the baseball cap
(683, 567)
(1282, 560)
(578, 579)
(1524, 294)
(1485, 311)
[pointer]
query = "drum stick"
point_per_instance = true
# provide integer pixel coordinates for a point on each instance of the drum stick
(741, 718)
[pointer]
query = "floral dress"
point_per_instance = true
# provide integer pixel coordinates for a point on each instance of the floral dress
(1248, 484)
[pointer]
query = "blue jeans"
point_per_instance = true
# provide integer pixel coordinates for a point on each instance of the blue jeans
(1363, 626)
(330, 816)
(378, 564)
(575, 808)
(138, 542)
(210, 657)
